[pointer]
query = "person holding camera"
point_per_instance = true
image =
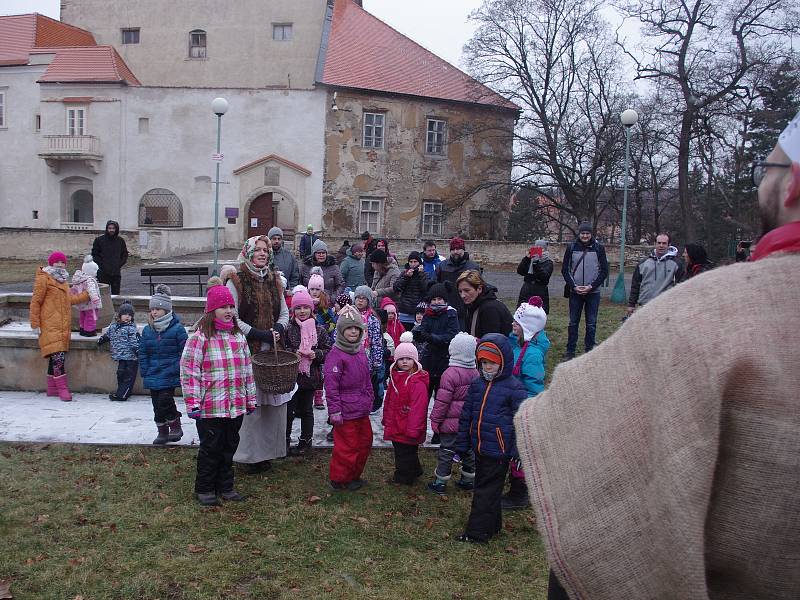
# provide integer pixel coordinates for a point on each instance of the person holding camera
(536, 269)
(410, 288)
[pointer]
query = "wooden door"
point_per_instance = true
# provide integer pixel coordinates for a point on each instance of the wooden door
(260, 215)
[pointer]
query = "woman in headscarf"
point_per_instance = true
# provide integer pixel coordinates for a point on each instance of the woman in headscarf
(262, 316)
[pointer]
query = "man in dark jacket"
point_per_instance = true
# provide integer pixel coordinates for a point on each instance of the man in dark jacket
(284, 260)
(584, 268)
(655, 274)
(110, 253)
(430, 259)
(450, 269)
(307, 241)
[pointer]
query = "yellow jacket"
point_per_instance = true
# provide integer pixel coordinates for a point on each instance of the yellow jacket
(51, 311)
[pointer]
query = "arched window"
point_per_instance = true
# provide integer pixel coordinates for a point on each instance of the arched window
(197, 43)
(160, 207)
(77, 200)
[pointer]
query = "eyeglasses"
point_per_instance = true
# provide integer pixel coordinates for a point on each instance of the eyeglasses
(759, 168)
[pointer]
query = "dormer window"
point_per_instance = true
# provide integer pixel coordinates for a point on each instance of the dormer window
(197, 44)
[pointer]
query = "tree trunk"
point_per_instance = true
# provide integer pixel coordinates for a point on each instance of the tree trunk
(684, 195)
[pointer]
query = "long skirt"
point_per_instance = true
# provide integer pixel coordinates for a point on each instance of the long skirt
(263, 433)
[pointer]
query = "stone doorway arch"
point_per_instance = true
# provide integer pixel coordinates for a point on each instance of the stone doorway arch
(284, 212)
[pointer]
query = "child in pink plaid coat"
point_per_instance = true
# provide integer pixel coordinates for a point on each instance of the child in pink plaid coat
(218, 388)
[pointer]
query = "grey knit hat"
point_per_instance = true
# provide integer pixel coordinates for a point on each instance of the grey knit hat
(319, 246)
(364, 291)
(585, 226)
(275, 231)
(541, 244)
(161, 299)
(462, 351)
(126, 308)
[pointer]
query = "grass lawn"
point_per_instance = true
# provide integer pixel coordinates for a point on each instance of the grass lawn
(120, 522)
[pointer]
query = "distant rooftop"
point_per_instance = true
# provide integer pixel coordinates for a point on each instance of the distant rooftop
(19, 34)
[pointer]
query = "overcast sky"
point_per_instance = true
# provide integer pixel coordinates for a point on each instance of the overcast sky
(443, 31)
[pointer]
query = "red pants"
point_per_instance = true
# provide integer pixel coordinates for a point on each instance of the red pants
(352, 441)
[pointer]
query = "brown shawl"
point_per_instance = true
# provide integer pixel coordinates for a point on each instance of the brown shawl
(666, 462)
(259, 299)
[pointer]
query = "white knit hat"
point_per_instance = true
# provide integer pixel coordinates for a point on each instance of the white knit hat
(531, 317)
(89, 267)
(407, 336)
(462, 351)
(789, 140)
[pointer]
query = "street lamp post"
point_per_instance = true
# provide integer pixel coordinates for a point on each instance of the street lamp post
(220, 107)
(629, 118)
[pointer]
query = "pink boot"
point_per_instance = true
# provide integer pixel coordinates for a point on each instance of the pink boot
(52, 390)
(63, 390)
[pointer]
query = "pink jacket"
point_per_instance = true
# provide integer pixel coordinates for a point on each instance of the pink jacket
(81, 282)
(405, 408)
(450, 398)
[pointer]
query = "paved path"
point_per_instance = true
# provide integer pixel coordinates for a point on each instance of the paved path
(94, 419)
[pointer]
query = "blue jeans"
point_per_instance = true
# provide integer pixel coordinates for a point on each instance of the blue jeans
(590, 304)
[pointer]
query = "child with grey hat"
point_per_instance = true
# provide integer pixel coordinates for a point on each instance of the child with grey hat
(163, 339)
(124, 338)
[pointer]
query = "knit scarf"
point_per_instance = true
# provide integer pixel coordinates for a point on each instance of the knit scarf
(434, 310)
(784, 239)
(308, 339)
(161, 323)
(349, 347)
(517, 370)
(223, 325)
(58, 273)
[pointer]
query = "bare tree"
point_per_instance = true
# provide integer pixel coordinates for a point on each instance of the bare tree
(700, 52)
(556, 60)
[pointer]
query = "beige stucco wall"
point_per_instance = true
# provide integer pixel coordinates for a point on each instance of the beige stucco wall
(401, 173)
(240, 49)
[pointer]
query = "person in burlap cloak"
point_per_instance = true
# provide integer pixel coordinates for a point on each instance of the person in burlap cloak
(262, 312)
(648, 485)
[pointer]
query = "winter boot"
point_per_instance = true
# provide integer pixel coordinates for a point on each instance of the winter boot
(208, 499)
(438, 486)
(319, 403)
(63, 390)
(163, 435)
(232, 496)
(467, 481)
(517, 496)
(52, 390)
(175, 431)
(302, 447)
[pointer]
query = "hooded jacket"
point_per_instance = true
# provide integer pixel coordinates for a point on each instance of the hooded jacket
(110, 252)
(410, 290)
(532, 366)
(51, 311)
(124, 338)
(405, 409)
(352, 270)
(436, 332)
(449, 270)
(430, 264)
(160, 355)
(486, 425)
(334, 284)
(487, 314)
(655, 275)
(348, 388)
(82, 282)
(585, 264)
(450, 397)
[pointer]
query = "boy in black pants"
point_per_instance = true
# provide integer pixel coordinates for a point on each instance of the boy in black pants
(487, 427)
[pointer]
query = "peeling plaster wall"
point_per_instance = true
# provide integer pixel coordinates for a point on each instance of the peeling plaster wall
(402, 174)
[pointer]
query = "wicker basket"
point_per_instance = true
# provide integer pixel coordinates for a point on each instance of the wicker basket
(275, 371)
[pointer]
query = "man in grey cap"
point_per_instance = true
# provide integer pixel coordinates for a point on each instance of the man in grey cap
(283, 259)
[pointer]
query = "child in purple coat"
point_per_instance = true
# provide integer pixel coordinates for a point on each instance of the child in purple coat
(348, 391)
(447, 410)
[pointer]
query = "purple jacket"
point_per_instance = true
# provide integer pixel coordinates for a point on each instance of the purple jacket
(348, 389)
(450, 398)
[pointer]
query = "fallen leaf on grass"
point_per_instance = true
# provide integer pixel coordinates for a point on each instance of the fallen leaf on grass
(167, 509)
(363, 520)
(428, 523)
(77, 561)
(196, 549)
(531, 519)
(36, 559)
(313, 499)
(512, 550)
(5, 588)
(42, 519)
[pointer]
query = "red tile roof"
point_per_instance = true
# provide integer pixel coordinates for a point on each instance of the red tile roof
(365, 53)
(89, 64)
(19, 34)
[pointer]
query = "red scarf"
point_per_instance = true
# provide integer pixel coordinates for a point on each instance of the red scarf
(784, 239)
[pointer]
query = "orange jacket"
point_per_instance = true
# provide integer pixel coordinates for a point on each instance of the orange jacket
(51, 311)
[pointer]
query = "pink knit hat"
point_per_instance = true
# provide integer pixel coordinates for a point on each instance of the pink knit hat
(56, 257)
(315, 282)
(406, 350)
(302, 298)
(217, 297)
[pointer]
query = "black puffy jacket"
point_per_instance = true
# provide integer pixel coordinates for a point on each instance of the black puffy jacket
(536, 280)
(110, 252)
(492, 315)
(410, 290)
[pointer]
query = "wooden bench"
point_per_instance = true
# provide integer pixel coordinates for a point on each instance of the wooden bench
(200, 272)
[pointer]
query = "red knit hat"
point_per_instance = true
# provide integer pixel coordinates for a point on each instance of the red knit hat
(457, 244)
(56, 257)
(217, 297)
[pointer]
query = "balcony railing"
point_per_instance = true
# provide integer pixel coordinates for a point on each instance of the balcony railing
(71, 145)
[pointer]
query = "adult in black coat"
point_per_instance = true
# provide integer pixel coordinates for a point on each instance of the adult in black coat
(536, 269)
(374, 244)
(110, 253)
(485, 313)
(451, 269)
(410, 287)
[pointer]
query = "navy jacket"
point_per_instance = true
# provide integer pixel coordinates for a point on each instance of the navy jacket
(160, 355)
(487, 419)
(436, 333)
